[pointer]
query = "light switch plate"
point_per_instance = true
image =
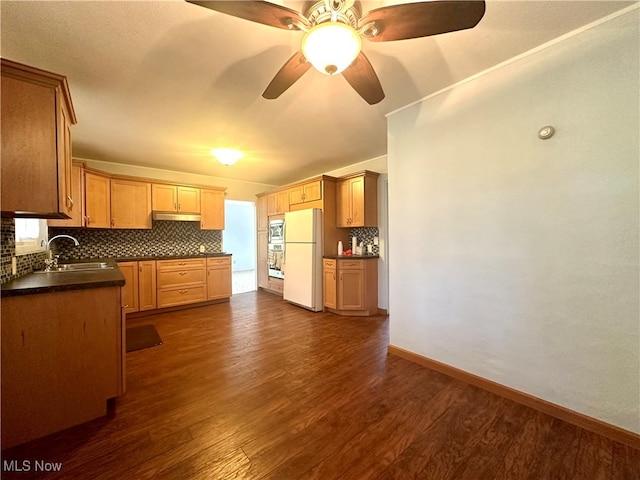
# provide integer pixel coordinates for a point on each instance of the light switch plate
(375, 240)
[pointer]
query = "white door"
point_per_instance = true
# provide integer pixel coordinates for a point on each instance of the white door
(299, 274)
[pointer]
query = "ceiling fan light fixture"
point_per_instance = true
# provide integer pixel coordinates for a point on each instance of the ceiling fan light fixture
(331, 47)
(226, 156)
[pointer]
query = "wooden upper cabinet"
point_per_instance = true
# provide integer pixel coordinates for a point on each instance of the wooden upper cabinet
(77, 192)
(130, 204)
(175, 198)
(307, 192)
(97, 200)
(357, 200)
(278, 202)
(37, 114)
(212, 209)
(262, 213)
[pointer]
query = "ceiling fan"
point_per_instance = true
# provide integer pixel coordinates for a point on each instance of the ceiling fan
(333, 31)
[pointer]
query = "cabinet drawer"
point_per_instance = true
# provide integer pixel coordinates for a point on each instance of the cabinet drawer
(351, 264)
(181, 264)
(329, 263)
(276, 285)
(184, 276)
(181, 296)
(218, 261)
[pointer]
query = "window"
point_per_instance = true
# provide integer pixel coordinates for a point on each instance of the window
(31, 235)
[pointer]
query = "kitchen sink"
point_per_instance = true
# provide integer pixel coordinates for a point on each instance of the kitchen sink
(78, 267)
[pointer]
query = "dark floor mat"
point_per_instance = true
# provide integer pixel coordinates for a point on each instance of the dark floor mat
(141, 337)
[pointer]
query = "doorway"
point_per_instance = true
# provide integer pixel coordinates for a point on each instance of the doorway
(239, 239)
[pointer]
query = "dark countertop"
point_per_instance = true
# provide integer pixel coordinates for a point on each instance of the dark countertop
(33, 283)
(143, 258)
(352, 257)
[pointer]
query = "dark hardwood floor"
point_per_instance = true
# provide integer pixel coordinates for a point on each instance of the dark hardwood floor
(260, 389)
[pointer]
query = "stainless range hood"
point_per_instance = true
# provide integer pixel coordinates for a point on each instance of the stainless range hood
(176, 216)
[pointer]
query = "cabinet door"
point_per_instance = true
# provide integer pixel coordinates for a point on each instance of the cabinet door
(219, 282)
(189, 199)
(356, 200)
(77, 193)
(130, 204)
(212, 209)
(29, 157)
(263, 259)
(130, 290)
(262, 213)
(66, 200)
(330, 287)
(147, 295)
(343, 203)
(283, 201)
(313, 191)
(97, 201)
(351, 289)
(164, 198)
(296, 195)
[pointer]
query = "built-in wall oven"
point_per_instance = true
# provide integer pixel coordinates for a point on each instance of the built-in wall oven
(276, 247)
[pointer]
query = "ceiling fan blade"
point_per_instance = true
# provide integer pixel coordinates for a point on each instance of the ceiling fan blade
(263, 12)
(363, 79)
(291, 71)
(414, 20)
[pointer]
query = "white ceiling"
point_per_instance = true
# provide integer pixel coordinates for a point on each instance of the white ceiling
(160, 83)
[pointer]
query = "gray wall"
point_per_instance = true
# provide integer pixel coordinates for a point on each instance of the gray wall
(515, 258)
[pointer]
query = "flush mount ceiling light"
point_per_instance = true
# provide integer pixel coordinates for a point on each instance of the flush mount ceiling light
(347, 25)
(331, 47)
(226, 156)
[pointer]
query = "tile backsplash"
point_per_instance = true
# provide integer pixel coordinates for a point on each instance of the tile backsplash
(25, 263)
(165, 238)
(365, 235)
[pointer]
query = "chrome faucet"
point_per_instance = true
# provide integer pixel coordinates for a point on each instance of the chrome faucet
(51, 261)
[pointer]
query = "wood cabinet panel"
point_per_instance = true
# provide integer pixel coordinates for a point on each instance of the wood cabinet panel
(357, 201)
(212, 209)
(305, 193)
(330, 284)
(164, 198)
(262, 214)
(97, 200)
(218, 278)
(77, 192)
(62, 360)
(130, 204)
(351, 286)
(130, 290)
(263, 259)
(181, 296)
(35, 172)
(188, 199)
(172, 278)
(278, 202)
(147, 285)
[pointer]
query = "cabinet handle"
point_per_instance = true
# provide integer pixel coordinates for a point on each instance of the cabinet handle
(140, 268)
(340, 276)
(182, 273)
(182, 263)
(178, 206)
(182, 292)
(113, 222)
(334, 275)
(88, 219)
(70, 202)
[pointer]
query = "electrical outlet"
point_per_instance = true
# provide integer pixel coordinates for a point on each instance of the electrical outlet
(14, 265)
(202, 249)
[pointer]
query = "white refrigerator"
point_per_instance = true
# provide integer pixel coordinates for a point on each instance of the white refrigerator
(303, 258)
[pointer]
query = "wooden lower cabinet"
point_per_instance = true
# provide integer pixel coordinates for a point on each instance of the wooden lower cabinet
(62, 359)
(218, 278)
(181, 281)
(147, 286)
(139, 292)
(351, 286)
